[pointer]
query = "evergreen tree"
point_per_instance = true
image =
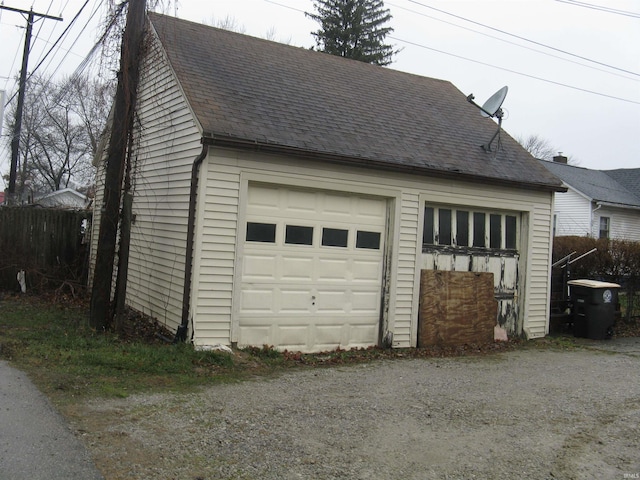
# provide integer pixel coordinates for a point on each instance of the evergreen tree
(353, 29)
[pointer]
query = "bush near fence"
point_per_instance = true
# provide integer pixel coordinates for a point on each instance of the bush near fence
(616, 261)
(48, 244)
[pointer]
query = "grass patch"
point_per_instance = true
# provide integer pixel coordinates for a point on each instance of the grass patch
(67, 359)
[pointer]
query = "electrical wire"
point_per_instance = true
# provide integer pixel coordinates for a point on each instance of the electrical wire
(515, 72)
(534, 77)
(64, 33)
(13, 63)
(513, 43)
(600, 8)
(523, 38)
(59, 38)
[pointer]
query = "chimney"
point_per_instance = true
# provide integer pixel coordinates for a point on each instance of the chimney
(560, 158)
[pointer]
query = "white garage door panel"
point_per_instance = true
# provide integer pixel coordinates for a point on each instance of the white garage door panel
(259, 267)
(369, 271)
(295, 268)
(255, 300)
(333, 269)
(365, 303)
(311, 297)
(292, 300)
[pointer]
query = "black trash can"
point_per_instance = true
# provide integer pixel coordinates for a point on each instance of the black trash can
(593, 308)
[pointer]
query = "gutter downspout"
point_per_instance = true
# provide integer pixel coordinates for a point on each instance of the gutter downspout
(181, 332)
(592, 225)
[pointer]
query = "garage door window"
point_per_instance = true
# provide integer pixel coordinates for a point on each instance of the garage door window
(261, 232)
(370, 240)
(298, 235)
(447, 227)
(334, 237)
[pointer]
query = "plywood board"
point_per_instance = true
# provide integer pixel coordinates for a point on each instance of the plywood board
(456, 308)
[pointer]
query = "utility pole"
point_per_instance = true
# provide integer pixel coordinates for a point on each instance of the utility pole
(121, 131)
(15, 140)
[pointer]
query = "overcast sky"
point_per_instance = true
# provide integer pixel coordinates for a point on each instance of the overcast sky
(572, 68)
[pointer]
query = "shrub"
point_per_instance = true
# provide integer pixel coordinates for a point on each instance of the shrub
(614, 260)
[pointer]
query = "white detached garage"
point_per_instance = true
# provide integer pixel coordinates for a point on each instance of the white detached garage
(290, 198)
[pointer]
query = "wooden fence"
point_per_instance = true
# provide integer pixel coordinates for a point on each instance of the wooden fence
(47, 244)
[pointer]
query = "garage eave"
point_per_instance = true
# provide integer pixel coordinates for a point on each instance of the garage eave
(277, 149)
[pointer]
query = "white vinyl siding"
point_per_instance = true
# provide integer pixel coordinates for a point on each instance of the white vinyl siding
(95, 219)
(624, 224)
(408, 276)
(219, 240)
(573, 212)
(578, 215)
(161, 196)
(161, 184)
(215, 254)
(538, 287)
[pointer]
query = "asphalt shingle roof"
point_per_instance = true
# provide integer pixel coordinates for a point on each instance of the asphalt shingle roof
(628, 178)
(599, 185)
(267, 93)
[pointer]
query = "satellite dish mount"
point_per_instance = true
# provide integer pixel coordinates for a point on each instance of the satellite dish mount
(492, 108)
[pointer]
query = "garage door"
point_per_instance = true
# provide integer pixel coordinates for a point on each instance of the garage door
(311, 270)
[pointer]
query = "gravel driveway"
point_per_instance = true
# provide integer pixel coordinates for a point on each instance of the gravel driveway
(535, 414)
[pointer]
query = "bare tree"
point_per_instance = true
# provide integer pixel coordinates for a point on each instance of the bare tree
(62, 123)
(538, 147)
(227, 23)
(542, 149)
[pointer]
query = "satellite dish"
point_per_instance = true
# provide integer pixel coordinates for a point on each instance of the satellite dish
(492, 108)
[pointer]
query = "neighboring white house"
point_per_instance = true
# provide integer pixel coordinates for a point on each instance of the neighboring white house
(63, 198)
(597, 203)
(291, 198)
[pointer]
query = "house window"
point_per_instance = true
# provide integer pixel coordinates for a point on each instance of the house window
(448, 227)
(605, 224)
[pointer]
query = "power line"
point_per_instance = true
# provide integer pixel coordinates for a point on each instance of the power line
(600, 8)
(510, 42)
(495, 66)
(516, 72)
(523, 38)
(60, 38)
(62, 35)
(15, 142)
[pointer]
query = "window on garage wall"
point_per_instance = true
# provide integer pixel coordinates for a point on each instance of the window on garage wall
(446, 226)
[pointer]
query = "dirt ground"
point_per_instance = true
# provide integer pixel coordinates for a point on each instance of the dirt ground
(530, 413)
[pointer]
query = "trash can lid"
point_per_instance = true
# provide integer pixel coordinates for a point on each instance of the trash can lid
(592, 284)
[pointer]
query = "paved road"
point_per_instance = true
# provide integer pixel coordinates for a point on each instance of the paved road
(35, 441)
